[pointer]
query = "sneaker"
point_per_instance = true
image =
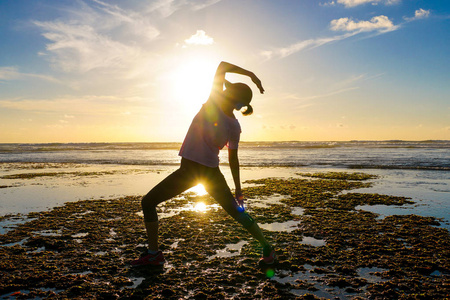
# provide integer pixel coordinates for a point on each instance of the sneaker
(269, 259)
(156, 259)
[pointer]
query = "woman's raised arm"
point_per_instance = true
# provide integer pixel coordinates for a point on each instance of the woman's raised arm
(223, 68)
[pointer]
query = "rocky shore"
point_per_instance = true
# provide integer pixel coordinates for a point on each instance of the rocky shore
(83, 249)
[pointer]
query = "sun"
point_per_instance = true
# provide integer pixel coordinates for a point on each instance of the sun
(191, 83)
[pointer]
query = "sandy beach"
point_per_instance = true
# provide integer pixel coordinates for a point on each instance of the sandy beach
(70, 230)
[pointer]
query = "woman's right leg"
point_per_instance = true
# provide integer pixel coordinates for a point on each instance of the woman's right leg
(176, 183)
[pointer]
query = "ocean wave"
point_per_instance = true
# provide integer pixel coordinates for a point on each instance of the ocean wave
(49, 147)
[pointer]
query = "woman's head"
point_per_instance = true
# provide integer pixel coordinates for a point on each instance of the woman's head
(240, 95)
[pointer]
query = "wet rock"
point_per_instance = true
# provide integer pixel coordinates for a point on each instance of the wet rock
(88, 258)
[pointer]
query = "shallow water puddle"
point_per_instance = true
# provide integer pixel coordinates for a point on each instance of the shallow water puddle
(315, 283)
(80, 235)
(10, 223)
(265, 202)
(20, 243)
(370, 274)
(287, 226)
(307, 240)
(22, 294)
(230, 250)
(298, 211)
(48, 232)
(136, 281)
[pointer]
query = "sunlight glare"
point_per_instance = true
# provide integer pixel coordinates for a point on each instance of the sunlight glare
(192, 82)
(199, 189)
(200, 207)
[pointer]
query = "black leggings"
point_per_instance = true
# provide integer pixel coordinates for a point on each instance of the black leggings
(188, 175)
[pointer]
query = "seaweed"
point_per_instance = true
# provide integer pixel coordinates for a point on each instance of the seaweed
(83, 249)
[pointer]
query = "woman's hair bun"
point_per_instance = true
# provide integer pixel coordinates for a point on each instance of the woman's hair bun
(248, 110)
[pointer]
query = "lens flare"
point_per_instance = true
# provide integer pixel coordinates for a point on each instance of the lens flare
(270, 273)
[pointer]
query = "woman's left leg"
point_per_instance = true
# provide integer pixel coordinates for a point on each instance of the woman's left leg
(217, 187)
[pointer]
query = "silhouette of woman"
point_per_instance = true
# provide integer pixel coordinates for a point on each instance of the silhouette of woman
(212, 128)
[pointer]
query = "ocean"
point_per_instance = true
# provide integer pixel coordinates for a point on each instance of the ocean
(418, 170)
(425, 155)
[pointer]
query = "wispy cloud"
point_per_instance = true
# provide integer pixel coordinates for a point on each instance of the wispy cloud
(96, 36)
(378, 24)
(337, 87)
(128, 21)
(353, 3)
(88, 105)
(166, 8)
(8, 73)
(302, 46)
(329, 94)
(79, 48)
(101, 37)
(12, 73)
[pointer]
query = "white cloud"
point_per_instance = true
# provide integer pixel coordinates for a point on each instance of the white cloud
(353, 3)
(332, 3)
(199, 38)
(378, 23)
(419, 14)
(422, 13)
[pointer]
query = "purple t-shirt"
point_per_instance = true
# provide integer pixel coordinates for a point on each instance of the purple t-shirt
(209, 132)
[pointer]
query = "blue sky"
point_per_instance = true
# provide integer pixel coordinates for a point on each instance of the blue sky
(138, 71)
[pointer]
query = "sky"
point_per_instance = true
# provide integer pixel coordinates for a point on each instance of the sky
(138, 71)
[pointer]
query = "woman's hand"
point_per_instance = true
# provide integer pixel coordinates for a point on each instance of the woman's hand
(224, 67)
(240, 200)
(238, 194)
(257, 82)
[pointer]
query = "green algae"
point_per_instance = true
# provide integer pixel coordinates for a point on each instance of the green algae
(82, 249)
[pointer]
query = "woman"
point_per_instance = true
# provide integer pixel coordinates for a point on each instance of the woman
(212, 128)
